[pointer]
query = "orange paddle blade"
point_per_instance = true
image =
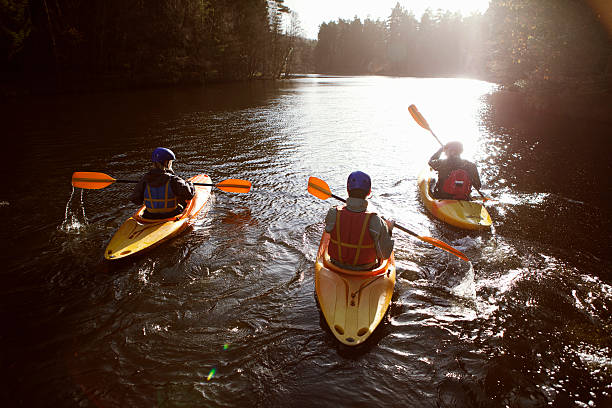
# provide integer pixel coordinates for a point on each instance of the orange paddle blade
(444, 246)
(418, 118)
(234, 186)
(91, 180)
(319, 188)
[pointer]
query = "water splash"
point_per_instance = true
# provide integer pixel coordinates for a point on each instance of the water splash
(466, 288)
(74, 218)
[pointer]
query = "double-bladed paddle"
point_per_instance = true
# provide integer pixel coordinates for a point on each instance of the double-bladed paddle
(420, 120)
(320, 189)
(95, 181)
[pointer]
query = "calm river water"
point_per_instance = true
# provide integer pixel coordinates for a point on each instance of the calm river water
(225, 315)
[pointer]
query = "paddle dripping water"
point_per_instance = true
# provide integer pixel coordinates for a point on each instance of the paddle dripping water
(74, 218)
(527, 325)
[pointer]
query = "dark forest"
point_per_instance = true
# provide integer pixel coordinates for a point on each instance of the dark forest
(540, 45)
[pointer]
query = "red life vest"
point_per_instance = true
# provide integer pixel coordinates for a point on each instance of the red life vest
(458, 185)
(351, 242)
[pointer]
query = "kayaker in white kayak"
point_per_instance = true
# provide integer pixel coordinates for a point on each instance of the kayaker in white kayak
(456, 176)
(359, 239)
(163, 192)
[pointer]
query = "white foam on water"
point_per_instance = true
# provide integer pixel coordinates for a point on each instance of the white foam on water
(466, 287)
(74, 218)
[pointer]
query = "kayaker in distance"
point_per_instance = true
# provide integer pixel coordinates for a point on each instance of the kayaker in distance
(456, 176)
(164, 193)
(359, 239)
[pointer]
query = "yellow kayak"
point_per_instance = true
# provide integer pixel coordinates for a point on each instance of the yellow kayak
(138, 233)
(353, 302)
(470, 215)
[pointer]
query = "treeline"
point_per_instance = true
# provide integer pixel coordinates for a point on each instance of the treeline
(534, 43)
(145, 42)
(544, 44)
(539, 44)
(438, 44)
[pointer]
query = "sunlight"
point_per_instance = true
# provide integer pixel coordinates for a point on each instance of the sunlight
(312, 13)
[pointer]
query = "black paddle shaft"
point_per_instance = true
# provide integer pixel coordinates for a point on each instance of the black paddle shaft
(195, 184)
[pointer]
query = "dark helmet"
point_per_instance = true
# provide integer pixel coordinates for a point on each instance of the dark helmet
(359, 180)
(453, 148)
(161, 154)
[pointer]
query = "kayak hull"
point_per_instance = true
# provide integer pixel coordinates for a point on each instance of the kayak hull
(353, 303)
(471, 215)
(138, 234)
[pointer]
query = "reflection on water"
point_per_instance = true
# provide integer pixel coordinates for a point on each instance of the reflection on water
(526, 323)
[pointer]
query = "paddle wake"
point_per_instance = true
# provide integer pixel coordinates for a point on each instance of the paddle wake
(74, 218)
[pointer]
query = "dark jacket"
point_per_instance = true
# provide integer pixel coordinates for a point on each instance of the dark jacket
(445, 166)
(182, 189)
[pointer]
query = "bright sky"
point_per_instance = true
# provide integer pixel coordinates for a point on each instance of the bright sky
(312, 13)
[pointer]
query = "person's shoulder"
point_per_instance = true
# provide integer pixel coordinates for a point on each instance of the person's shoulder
(468, 163)
(374, 217)
(172, 175)
(333, 210)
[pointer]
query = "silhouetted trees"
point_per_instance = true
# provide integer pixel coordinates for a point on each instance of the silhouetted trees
(540, 44)
(148, 42)
(549, 43)
(535, 43)
(438, 44)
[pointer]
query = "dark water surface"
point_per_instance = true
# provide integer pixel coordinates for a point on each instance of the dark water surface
(527, 324)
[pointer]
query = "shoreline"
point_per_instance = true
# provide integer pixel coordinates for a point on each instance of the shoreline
(593, 105)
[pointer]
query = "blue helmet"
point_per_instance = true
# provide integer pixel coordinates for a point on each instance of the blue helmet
(360, 180)
(161, 154)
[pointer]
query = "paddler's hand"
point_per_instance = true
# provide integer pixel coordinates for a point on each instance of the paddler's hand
(390, 225)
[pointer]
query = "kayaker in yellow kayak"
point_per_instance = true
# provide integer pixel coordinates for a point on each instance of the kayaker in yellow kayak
(456, 176)
(359, 239)
(163, 192)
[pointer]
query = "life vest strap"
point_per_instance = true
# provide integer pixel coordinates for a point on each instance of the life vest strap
(359, 245)
(338, 242)
(169, 204)
(334, 241)
(363, 230)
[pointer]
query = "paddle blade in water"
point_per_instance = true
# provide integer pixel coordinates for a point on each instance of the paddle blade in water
(91, 180)
(418, 118)
(444, 246)
(318, 188)
(234, 186)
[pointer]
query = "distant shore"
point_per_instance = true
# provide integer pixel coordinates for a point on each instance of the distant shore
(593, 106)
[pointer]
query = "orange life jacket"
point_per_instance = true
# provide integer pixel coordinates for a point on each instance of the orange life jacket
(160, 199)
(351, 242)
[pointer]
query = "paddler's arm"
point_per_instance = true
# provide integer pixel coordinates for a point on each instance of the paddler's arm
(184, 190)
(137, 196)
(330, 219)
(433, 160)
(473, 172)
(381, 231)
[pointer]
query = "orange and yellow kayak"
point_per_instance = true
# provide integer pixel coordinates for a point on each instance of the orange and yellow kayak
(138, 234)
(471, 215)
(352, 302)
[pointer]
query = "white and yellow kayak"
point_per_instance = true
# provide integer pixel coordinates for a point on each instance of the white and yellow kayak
(470, 215)
(138, 234)
(352, 302)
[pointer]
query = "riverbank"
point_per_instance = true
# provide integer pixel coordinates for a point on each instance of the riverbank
(575, 105)
(589, 100)
(16, 85)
